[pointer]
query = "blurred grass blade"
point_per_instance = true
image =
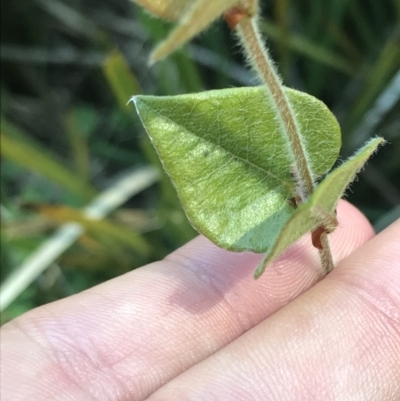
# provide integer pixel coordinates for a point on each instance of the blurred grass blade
(361, 24)
(217, 61)
(385, 67)
(383, 104)
(71, 18)
(79, 146)
(65, 214)
(309, 49)
(177, 73)
(66, 55)
(188, 72)
(282, 14)
(343, 40)
(25, 228)
(26, 153)
(121, 79)
(65, 236)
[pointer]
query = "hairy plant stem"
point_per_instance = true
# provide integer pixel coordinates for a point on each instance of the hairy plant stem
(325, 254)
(258, 56)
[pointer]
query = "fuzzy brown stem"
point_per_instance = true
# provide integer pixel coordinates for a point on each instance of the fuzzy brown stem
(258, 56)
(325, 254)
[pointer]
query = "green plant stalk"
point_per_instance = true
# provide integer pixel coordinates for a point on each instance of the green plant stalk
(259, 58)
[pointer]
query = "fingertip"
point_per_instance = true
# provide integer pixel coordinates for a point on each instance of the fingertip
(353, 230)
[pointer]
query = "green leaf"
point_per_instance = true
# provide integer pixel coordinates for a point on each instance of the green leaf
(308, 216)
(229, 162)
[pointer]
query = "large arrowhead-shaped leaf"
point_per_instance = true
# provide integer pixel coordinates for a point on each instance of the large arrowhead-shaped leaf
(230, 164)
(322, 202)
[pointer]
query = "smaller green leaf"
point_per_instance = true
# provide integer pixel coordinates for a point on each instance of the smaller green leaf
(308, 216)
(332, 188)
(194, 20)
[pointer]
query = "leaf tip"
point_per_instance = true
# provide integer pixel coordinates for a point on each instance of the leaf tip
(159, 53)
(379, 140)
(134, 99)
(261, 267)
(369, 149)
(153, 58)
(374, 143)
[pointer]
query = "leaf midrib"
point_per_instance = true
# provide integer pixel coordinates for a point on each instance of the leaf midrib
(283, 182)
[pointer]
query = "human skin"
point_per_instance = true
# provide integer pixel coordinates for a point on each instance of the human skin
(197, 326)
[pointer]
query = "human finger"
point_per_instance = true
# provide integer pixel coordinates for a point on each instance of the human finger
(126, 338)
(338, 341)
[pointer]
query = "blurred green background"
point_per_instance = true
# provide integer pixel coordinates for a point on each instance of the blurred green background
(68, 68)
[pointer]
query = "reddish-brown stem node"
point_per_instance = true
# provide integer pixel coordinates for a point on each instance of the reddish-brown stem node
(330, 225)
(316, 237)
(234, 15)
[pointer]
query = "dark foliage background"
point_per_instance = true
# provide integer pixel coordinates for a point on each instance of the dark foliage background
(68, 68)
